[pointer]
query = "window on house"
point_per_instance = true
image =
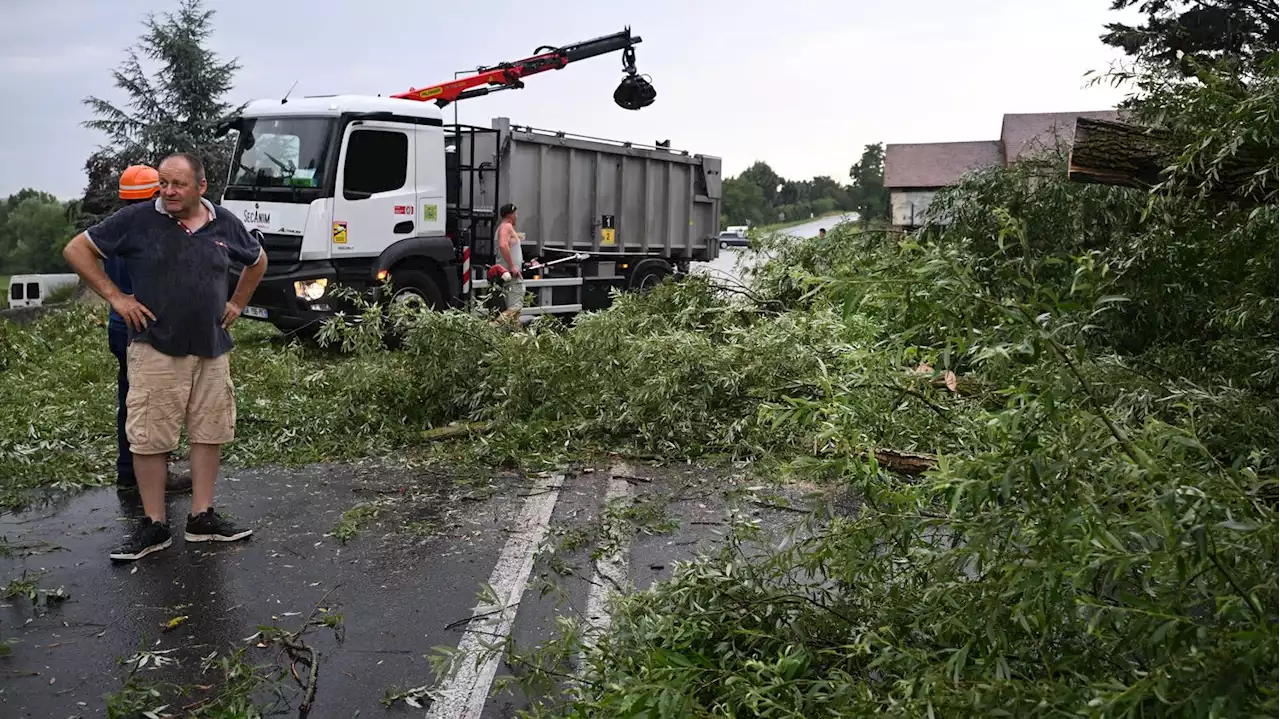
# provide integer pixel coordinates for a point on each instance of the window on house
(377, 161)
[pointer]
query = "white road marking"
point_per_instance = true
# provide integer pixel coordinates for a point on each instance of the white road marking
(610, 574)
(463, 695)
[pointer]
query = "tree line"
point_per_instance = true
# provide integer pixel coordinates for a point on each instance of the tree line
(34, 226)
(760, 196)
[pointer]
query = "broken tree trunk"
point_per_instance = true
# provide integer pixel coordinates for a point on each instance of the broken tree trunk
(908, 463)
(1107, 152)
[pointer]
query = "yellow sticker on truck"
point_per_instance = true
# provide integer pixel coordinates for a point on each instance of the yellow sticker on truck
(430, 213)
(607, 236)
(339, 233)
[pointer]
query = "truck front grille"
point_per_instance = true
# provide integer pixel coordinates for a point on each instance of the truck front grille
(282, 252)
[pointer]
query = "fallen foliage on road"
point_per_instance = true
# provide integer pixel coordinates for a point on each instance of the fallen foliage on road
(682, 372)
(1099, 534)
(1058, 413)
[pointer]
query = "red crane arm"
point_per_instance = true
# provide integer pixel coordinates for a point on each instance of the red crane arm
(505, 77)
(508, 75)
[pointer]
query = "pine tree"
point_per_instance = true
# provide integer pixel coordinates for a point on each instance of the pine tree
(175, 107)
(1243, 32)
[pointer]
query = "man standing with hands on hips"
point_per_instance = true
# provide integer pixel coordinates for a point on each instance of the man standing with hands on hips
(138, 183)
(178, 252)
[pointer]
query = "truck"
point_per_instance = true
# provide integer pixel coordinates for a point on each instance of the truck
(379, 192)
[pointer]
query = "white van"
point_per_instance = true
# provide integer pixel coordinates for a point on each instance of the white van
(31, 290)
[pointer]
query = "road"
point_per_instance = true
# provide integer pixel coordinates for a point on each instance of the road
(726, 266)
(810, 229)
(405, 583)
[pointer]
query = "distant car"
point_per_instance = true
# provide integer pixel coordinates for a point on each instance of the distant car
(732, 239)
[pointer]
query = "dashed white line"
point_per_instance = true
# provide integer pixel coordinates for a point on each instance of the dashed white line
(610, 574)
(464, 694)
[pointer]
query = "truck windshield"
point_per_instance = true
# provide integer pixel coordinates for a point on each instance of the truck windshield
(281, 152)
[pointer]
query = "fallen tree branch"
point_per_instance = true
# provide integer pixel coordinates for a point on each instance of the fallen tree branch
(783, 507)
(468, 619)
(765, 303)
(910, 392)
(307, 655)
(299, 651)
(449, 431)
(909, 463)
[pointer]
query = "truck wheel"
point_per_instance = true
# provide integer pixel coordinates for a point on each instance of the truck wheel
(649, 275)
(410, 285)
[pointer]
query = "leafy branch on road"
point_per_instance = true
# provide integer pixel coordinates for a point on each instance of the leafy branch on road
(235, 688)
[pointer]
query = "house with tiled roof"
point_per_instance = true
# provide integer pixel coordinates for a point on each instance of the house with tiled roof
(913, 173)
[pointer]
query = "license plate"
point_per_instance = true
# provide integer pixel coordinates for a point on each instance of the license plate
(257, 312)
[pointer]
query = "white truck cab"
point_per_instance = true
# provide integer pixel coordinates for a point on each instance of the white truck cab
(334, 184)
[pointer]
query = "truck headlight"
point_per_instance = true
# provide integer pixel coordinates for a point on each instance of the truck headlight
(311, 289)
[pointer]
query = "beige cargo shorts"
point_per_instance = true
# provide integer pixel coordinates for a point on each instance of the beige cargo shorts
(166, 392)
(514, 291)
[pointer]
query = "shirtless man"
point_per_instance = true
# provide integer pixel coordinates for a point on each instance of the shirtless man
(513, 259)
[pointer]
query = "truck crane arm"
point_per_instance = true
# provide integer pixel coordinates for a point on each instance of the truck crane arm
(634, 93)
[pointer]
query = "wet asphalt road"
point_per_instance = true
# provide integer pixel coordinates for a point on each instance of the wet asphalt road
(727, 267)
(406, 583)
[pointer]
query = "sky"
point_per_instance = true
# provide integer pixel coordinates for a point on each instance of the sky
(802, 85)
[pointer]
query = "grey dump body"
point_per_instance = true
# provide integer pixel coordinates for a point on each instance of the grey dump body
(570, 190)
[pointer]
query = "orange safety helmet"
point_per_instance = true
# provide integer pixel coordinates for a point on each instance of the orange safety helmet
(139, 182)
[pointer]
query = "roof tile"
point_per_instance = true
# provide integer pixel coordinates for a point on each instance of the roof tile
(937, 164)
(1025, 134)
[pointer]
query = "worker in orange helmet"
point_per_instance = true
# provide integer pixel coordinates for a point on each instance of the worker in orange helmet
(138, 183)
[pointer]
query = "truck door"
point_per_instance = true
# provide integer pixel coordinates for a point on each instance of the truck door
(375, 195)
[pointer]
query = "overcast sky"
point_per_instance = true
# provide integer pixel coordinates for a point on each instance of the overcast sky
(802, 88)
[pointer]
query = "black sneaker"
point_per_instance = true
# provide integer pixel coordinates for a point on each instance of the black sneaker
(209, 527)
(147, 537)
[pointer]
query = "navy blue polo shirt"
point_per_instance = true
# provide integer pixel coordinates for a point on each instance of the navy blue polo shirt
(181, 276)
